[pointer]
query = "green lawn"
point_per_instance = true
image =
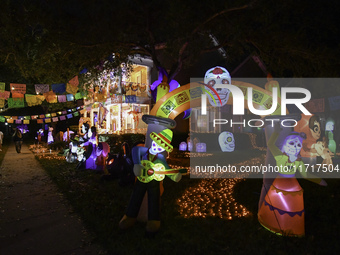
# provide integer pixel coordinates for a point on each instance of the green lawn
(101, 204)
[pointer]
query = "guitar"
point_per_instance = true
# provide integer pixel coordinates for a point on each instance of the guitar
(156, 171)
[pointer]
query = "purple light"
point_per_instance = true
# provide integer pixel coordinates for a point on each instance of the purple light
(183, 146)
(201, 147)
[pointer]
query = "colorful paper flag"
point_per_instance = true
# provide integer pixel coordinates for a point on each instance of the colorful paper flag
(74, 81)
(5, 94)
(26, 122)
(16, 102)
(33, 100)
(71, 89)
(42, 88)
(51, 97)
(62, 117)
(62, 98)
(59, 88)
(18, 88)
(69, 116)
(17, 95)
(2, 119)
(334, 103)
(18, 121)
(70, 97)
(48, 120)
(2, 86)
(55, 119)
(40, 121)
(2, 103)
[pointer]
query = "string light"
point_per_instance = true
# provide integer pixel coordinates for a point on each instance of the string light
(43, 153)
(214, 197)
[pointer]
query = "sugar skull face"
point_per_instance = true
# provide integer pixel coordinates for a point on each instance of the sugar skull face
(226, 141)
(316, 130)
(134, 86)
(155, 148)
(292, 146)
(214, 76)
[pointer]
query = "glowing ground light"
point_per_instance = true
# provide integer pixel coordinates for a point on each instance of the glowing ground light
(43, 152)
(214, 198)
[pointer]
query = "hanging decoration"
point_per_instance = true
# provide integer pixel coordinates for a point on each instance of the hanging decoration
(43, 118)
(2, 86)
(71, 89)
(4, 94)
(59, 88)
(33, 100)
(51, 97)
(62, 98)
(16, 103)
(42, 88)
(18, 90)
(334, 103)
(74, 81)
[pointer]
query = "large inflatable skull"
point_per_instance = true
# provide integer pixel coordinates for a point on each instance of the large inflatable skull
(226, 141)
(214, 76)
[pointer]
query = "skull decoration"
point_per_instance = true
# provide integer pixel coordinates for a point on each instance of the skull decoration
(134, 86)
(201, 147)
(183, 146)
(127, 87)
(226, 141)
(292, 145)
(329, 125)
(142, 88)
(215, 76)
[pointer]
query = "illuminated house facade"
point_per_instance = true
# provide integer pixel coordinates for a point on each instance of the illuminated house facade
(117, 103)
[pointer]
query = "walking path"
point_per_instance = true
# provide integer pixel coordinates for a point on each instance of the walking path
(34, 217)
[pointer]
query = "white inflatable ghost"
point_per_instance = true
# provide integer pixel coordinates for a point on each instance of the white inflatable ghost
(226, 141)
(214, 76)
